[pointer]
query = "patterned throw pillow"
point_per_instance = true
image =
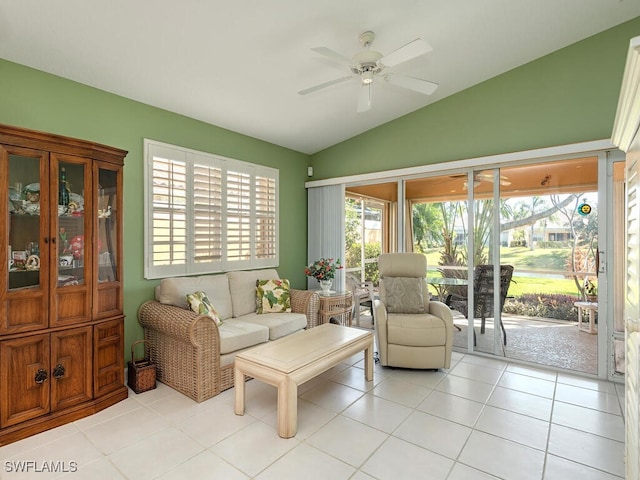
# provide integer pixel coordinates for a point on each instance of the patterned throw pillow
(272, 296)
(404, 294)
(200, 303)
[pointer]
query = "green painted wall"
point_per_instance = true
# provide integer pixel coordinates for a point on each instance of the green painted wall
(566, 97)
(33, 99)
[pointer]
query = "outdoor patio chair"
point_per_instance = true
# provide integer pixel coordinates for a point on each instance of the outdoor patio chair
(363, 295)
(483, 295)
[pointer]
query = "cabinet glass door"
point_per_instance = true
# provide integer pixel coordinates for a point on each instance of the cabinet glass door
(107, 228)
(71, 228)
(24, 301)
(108, 293)
(24, 225)
(71, 224)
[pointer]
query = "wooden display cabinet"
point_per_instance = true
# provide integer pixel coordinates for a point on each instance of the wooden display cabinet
(61, 315)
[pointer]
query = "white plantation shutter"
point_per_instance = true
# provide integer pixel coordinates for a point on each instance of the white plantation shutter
(626, 136)
(238, 219)
(168, 213)
(205, 213)
(265, 218)
(207, 217)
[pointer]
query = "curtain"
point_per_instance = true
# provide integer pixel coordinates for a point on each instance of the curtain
(326, 229)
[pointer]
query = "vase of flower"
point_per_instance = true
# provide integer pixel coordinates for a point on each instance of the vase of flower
(325, 285)
(324, 271)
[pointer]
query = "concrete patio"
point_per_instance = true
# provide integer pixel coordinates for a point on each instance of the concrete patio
(544, 341)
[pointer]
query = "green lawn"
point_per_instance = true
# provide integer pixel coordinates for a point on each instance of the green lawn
(540, 259)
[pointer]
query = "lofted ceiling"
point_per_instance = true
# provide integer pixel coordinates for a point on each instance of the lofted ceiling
(239, 65)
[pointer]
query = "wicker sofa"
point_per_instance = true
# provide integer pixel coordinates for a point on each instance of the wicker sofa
(194, 355)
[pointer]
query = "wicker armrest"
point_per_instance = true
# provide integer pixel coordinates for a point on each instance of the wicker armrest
(186, 348)
(307, 302)
(171, 320)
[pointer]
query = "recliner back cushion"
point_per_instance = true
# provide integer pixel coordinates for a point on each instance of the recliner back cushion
(174, 290)
(402, 294)
(242, 285)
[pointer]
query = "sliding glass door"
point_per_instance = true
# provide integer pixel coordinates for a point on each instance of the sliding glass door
(522, 254)
(524, 269)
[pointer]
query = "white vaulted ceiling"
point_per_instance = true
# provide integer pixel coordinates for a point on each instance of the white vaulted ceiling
(239, 64)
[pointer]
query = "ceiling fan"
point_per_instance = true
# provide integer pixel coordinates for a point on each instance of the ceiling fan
(482, 177)
(367, 64)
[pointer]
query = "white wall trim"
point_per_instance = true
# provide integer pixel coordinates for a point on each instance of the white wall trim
(627, 121)
(486, 161)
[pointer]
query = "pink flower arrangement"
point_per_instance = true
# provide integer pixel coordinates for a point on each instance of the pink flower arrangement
(323, 269)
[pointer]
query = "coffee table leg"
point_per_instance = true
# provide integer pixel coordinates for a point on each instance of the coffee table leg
(287, 408)
(368, 362)
(238, 380)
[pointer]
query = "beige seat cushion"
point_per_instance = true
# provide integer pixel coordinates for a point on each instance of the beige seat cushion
(242, 285)
(279, 324)
(174, 290)
(237, 334)
(425, 330)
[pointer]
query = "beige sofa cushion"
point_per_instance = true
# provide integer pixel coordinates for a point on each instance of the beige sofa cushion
(242, 285)
(279, 324)
(416, 330)
(174, 290)
(238, 334)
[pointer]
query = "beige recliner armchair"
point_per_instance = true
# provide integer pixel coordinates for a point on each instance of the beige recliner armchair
(411, 330)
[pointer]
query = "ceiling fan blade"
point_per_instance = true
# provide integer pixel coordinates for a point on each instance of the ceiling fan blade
(333, 55)
(364, 98)
(416, 84)
(407, 52)
(488, 177)
(324, 85)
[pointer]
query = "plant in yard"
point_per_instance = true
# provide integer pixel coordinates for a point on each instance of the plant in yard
(590, 288)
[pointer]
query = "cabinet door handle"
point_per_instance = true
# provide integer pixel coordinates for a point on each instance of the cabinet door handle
(59, 371)
(41, 376)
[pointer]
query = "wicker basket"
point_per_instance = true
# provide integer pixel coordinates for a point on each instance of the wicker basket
(141, 372)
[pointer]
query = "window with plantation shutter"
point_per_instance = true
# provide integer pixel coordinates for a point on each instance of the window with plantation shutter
(205, 213)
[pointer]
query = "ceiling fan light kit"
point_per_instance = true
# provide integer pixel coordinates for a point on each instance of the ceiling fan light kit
(367, 64)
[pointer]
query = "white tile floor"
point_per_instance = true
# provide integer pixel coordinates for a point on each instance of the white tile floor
(482, 419)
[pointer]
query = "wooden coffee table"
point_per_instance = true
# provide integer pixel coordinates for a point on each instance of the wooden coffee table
(292, 360)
